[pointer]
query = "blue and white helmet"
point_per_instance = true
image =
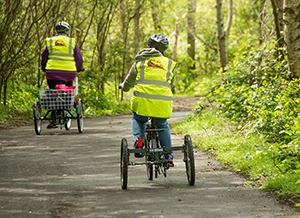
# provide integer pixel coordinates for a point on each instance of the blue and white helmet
(159, 42)
(62, 27)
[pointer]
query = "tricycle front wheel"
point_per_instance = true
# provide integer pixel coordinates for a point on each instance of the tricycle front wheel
(149, 170)
(80, 116)
(68, 121)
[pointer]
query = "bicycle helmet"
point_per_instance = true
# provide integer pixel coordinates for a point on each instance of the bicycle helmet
(62, 27)
(159, 42)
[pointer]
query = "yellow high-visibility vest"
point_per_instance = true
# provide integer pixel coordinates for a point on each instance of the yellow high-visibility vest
(61, 53)
(152, 94)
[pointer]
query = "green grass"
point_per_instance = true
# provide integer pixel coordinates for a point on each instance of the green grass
(10, 116)
(247, 154)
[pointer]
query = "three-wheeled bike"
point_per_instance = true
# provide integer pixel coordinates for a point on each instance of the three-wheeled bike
(154, 154)
(58, 104)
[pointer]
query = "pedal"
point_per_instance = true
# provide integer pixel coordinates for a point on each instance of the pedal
(171, 164)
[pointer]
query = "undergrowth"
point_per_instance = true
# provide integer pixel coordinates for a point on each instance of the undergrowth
(249, 118)
(18, 109)
(245, 153)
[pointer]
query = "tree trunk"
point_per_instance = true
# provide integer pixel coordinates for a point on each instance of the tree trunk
(261, 21)
(137, 26)
(124, 32)
(156, 21)
(176, 33)
(278, 30)
(155, 12)
(191, 32)
(292, 36)
(279, 4)
(223, 33)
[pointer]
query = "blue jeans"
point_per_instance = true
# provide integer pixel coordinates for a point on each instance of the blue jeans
(139, 127)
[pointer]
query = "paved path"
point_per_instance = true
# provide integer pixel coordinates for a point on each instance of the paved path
(64, 174)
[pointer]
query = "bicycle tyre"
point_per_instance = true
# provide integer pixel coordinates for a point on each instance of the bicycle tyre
(80, 117)
(124, 163)
(149, 170)
(152, 144)
(68, 121)
(189, 160)
(37, 119)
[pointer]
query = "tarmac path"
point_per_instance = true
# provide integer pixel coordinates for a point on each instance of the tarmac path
(64, 174)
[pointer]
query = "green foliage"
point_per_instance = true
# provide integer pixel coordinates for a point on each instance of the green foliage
(259, 133)
(108, 49)
(256, 91)
(98, 104)
(185, 78)
(19, 104)
(22, 96)
(287, 157)
(243, 152)
(283, 184)
(258, 95)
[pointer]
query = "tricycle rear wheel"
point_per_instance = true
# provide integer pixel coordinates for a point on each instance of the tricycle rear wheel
(124, 163)
(189, 159)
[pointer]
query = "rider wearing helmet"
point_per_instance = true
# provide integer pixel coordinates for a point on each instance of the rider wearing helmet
(159, 42)
(63, 28)
(152, 77)
(61, 59)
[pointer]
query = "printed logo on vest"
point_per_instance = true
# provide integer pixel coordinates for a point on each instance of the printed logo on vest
(59, 43)
(155, 63)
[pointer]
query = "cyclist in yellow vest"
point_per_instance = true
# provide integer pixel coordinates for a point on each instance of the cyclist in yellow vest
(152, 77)
(61, 60)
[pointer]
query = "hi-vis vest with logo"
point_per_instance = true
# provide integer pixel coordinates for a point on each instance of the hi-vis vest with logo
(61, 53)
(152, 94)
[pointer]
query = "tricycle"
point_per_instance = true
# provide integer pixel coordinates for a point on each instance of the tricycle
(154, 154)
(60, 105)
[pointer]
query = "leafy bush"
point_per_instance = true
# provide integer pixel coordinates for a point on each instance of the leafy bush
(258, 95)
(272, 167)
(19, 104)
(22, 96)
(287, 157)
(98, 104)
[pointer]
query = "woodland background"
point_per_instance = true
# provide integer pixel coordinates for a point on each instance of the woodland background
(240, 57)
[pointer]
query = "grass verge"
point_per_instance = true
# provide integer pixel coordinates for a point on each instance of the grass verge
(244, 153)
